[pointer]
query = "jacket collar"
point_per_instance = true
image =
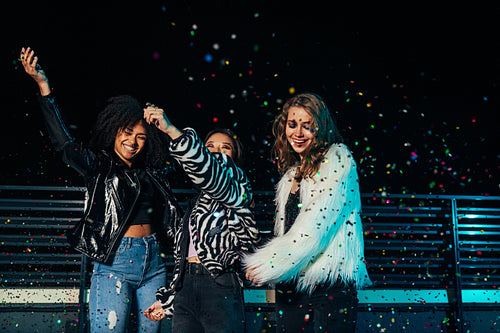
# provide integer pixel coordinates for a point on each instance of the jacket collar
(138, 164)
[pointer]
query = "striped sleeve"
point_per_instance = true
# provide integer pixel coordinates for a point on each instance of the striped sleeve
(215, 174)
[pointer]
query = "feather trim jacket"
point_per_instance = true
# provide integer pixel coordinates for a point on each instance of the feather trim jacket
(326, 240)
(220, 218)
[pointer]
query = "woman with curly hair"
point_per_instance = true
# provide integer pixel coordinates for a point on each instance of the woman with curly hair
(316, 258)
(130, 210)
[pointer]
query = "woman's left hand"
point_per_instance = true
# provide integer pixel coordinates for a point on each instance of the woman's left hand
(155, 312)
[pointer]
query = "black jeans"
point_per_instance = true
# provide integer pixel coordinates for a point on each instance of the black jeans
(208, 305)
(329, 310)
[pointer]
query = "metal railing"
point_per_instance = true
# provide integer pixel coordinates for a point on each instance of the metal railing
(444, 244)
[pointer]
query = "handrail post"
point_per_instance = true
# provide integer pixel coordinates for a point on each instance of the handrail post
(82, 296)
(457, 270)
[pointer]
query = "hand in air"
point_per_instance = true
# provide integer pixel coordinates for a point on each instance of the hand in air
(31, 65)
(33, 68)
(157, 117)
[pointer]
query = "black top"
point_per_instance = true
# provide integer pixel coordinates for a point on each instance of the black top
(142, 213)
(292, 209)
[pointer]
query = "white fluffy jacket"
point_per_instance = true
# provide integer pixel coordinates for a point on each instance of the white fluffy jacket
(326, 240)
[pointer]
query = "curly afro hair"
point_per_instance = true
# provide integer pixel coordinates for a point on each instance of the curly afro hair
(125, 111)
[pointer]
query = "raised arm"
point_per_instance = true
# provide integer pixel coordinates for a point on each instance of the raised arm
(58, 132)
(33, 69)
(80, 158)
(215, 174)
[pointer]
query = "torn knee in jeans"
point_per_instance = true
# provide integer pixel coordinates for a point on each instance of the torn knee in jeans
(112, 319)
(118, 287)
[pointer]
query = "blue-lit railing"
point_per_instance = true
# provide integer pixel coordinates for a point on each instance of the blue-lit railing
(422, 251)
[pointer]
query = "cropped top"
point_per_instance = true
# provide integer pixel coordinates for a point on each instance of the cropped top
(143, 210)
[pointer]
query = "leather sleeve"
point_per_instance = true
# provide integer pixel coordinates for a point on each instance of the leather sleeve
(74, 154)
(58, 133)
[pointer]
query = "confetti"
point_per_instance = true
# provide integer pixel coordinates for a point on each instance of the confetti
(410, 127)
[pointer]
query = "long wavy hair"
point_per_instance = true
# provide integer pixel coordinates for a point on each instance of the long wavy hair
(325, 134)
(125, 111)
(237, 145)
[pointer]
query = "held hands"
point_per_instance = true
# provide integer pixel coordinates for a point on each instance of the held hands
(157, 117)
(252, 276)
(33, 69)
(155, 312)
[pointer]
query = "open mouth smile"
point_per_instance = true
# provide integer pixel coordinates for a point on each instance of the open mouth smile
(297, 142)
(131, 149)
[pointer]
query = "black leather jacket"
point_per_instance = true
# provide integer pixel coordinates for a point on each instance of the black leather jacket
(112, 191)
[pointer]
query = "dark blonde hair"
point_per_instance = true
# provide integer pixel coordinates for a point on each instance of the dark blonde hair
(324, 129)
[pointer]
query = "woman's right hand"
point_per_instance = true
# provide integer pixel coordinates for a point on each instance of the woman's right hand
(33, 69)
(252, 276)
(157, 117)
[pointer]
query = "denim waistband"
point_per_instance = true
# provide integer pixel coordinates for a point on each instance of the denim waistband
(140, 240)
(194, 268)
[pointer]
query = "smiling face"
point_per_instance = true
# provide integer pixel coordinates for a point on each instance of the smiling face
(129, 142)
(299, 132)
(220, 143)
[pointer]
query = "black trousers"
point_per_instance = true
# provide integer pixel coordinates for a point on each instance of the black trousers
(208, 305)
(327, 309)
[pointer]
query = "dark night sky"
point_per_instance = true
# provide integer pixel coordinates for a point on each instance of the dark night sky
(414, 87)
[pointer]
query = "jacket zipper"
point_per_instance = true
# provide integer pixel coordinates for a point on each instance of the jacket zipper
(115, 195)
(113, 242)
(88, 207)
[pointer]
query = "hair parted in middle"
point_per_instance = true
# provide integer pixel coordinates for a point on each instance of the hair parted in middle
(125, 111)
(325, 134)
(237, 145)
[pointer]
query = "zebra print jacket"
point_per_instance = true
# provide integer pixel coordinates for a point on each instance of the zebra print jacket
(223, 227)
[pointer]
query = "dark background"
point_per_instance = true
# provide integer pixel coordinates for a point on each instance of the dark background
(413, 85)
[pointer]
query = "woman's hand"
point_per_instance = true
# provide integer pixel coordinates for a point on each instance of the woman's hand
(157, 117)
(155, 312)
(252, 276)
(33, 69)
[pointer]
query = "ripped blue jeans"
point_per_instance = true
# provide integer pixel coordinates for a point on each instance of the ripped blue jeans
(126, 287)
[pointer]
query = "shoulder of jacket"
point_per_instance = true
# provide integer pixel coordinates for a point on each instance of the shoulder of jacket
(289, 173)
(337, 153)
(337, 149)
(286, 178)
